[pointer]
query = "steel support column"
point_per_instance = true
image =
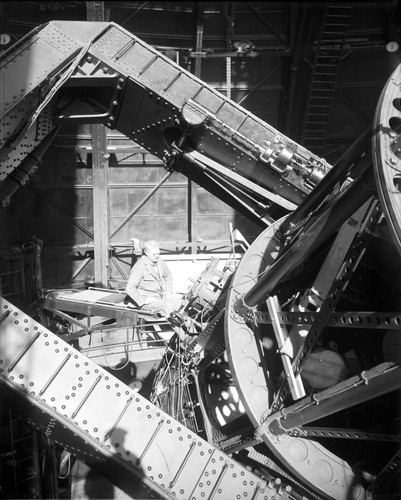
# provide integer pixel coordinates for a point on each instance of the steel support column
(100, 204)
(95, 12)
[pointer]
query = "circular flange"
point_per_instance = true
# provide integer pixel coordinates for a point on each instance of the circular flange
(313, 464)
(386, 153)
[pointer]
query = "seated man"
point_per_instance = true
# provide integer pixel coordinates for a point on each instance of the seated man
(150, 283)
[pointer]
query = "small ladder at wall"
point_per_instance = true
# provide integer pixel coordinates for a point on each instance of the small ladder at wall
(25, 465)
(327, 59)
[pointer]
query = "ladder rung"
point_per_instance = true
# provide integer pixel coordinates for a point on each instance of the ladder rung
(318, 111)
(320, 79)
(315, 134)
(24, 438)
(334, 39)
(18, 419)
(314, 138)
(327, 32)
(24, 459)
(320, 122)
(328, 58)
(325, 71)
(338, 16)
(326, 76)
(321, 94)
(315, 102)
(27, 479)
(326, 65)
(324, 100)
(335, 26)
(346, 8)
(319, 100)
(313, 130)
(312, 135)
(324, 48)
(316, 122)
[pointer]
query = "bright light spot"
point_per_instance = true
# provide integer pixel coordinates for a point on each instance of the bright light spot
(220, 417)
(226, 411)
(224, 395)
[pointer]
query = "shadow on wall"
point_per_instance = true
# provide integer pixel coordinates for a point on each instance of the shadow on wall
(88, 483)
(138, 376)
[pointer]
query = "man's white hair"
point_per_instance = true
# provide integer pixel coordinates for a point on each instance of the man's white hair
(150, 245)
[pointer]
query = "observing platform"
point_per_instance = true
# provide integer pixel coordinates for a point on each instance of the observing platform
(100, 321)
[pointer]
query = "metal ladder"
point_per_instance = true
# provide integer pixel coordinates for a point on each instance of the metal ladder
(325, 69)
(24, 457)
